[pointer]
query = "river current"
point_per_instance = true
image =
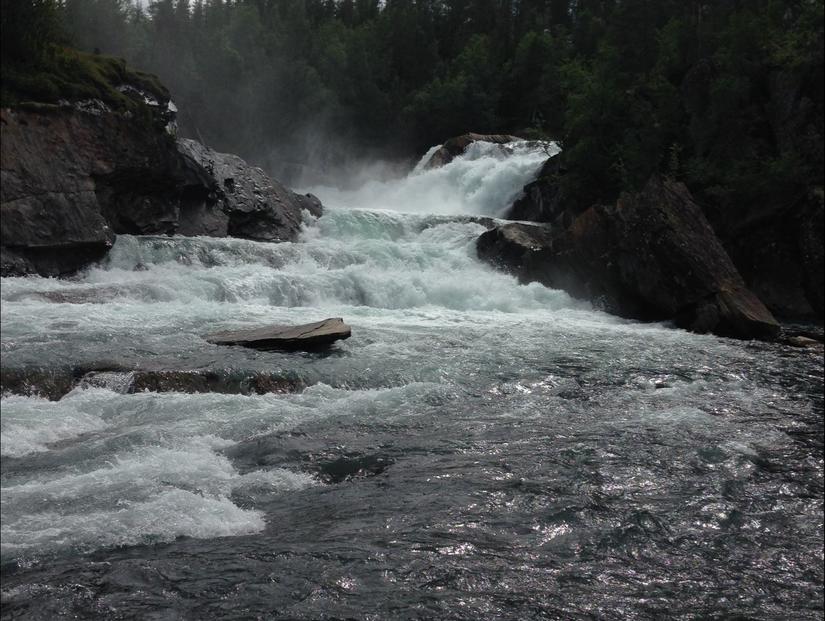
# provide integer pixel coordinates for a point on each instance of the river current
(478, 449)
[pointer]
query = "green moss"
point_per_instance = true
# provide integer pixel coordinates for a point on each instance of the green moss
(68, 74)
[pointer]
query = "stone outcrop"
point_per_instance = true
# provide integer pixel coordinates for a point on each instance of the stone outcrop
(303, 337)
(543, 199)
(652, 256)
(243, 202)
(75, 175)
(456, 146)
(776, 247)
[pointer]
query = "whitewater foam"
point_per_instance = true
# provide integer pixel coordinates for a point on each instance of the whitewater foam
(483, 181)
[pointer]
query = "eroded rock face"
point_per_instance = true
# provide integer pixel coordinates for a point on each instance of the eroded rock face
(456, 146)
(543, 200)
(74, 176)
(652, 256)
(244, 201)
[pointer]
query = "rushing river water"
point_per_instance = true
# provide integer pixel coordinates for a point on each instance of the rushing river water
(478, 449)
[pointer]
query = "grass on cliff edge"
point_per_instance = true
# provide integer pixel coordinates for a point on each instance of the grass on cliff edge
(65, 73)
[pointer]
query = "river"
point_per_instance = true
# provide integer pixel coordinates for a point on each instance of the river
(478, 449)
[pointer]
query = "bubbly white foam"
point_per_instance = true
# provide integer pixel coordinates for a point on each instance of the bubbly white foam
(160, 518)
(152, 493)
(30, 424)
(351, 257)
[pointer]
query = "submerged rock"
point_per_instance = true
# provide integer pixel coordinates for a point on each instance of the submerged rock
(196, 381)
(456, 146)
(652, 256)
(54, 383)
(48, 383)
(307, 336)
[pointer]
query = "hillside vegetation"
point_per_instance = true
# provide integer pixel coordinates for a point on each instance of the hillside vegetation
(725, 96)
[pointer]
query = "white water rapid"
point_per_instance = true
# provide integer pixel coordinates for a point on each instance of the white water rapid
(504, 433)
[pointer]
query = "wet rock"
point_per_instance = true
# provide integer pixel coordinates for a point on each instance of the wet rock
(53, 159)
(543, 200)
(250, 204)
(652, 256)
(55, 383)
(231, 382)
(303, 337)
(48, 383)
(456, 146)
(433, 221)
(349, 466)
(801, 341)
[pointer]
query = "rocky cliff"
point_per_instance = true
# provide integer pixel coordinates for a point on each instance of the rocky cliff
(75, 175)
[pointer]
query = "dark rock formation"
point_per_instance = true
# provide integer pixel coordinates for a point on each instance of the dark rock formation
(75, 175)
(249, 204)
(307, 336)
(775, 240)
(197, 381)
(49, 383)
(543, 200)
(456, 146)
(55, 382)
(652, 256)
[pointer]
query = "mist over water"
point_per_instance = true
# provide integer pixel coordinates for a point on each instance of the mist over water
(478, 449)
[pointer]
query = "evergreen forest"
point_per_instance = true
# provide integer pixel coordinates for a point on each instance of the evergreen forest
(724, 95)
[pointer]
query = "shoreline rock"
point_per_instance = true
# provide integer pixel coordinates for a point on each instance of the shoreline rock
(777, 246)
(653, 256)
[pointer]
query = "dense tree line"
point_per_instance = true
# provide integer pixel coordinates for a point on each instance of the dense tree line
(723, 94)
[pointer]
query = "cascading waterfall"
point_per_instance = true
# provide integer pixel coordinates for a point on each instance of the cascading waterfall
(503, 441)
(483, 181)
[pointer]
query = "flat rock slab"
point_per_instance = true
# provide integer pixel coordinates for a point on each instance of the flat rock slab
(307, 336)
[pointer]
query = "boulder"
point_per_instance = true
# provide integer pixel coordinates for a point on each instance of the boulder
(543, 200)
(303, 337)
(456, 146)
(652, 256)
(244, 201)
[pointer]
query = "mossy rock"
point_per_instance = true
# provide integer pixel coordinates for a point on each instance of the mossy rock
(65, 73)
